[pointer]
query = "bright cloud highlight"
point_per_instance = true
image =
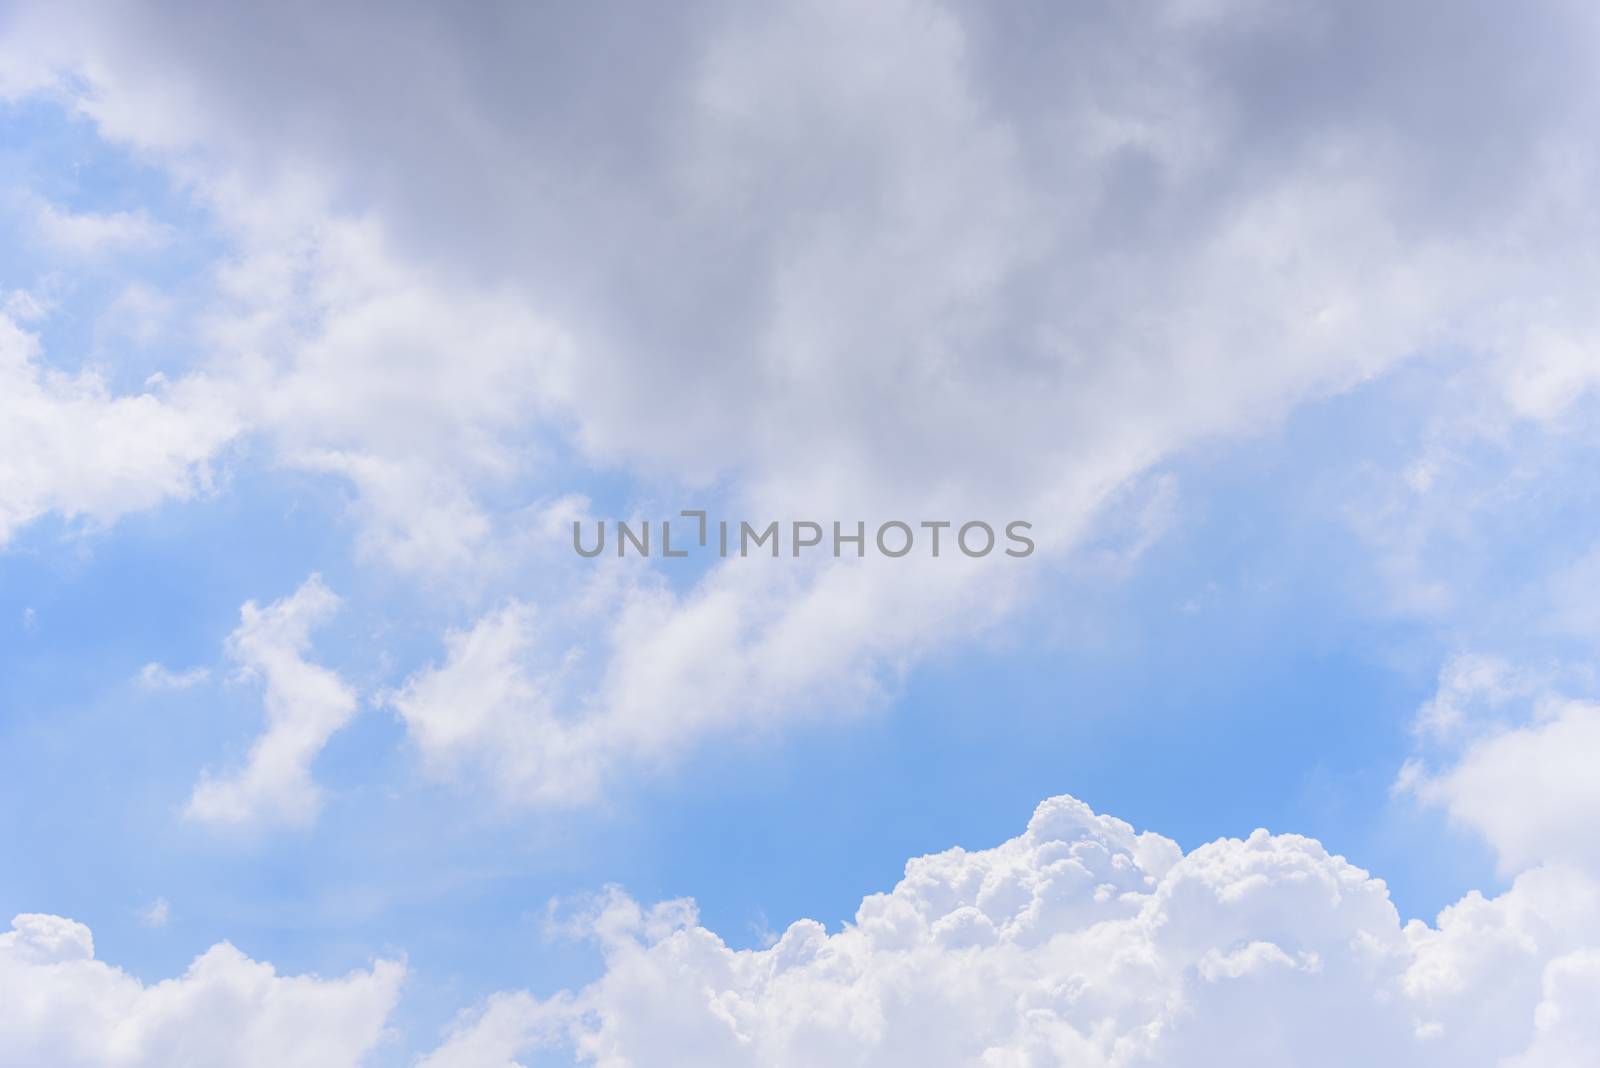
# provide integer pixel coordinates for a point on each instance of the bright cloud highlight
(1083, 943)
(59, 1006)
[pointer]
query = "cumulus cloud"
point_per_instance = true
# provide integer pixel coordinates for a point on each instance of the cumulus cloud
(70, 445)
(305, 704)
(1078, 942)
(1524, 780)
(62, 1007)
(1081, 942)
(918, 260)
(482, 712)
(1567, 1029)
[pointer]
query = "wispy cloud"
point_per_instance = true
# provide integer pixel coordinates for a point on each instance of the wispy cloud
(154, 676)
(156, 914)
(91, 234)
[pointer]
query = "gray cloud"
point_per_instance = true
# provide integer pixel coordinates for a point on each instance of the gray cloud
(837, 261)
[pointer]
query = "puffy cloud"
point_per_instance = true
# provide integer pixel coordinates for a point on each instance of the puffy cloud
(305, 704)
(62, 1007)
(70, 445)
(1508, 756)
(1567, 1027)
(1080, 942)
(1529, 789)
(482, 712)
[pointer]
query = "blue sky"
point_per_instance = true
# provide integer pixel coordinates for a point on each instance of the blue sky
(1229, 678)
(1275, 516)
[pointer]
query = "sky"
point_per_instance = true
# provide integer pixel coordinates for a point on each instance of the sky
(320, 327)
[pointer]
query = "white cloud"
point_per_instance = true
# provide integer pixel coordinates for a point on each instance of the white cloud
(755, 644)
(89, 234)
(1529, 789)
(305, 704)
(69, 445)
(1079, 942)
(1506, 754)
(1568, 1028)
(420, 391)
(908, 259)
(156, 914)
(138, 316)
(61, 1007)
(1472, 689)
(155, 676)
(24, 306)
(480, 712)
(1083, 943)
